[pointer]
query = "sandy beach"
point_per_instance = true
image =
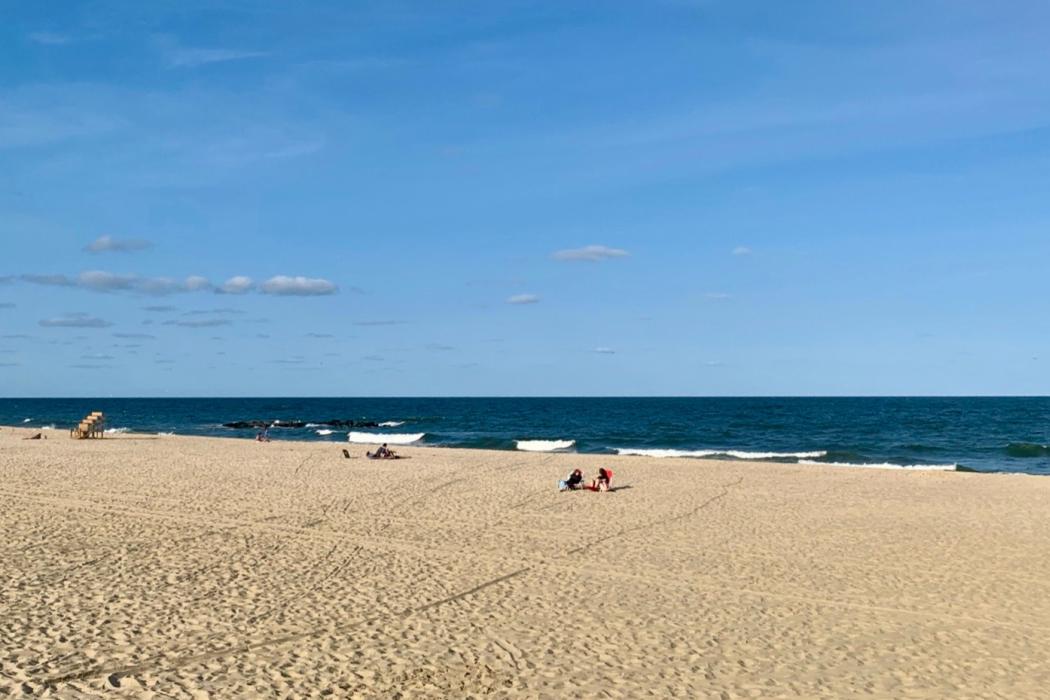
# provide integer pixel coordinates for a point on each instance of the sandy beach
(174, 566)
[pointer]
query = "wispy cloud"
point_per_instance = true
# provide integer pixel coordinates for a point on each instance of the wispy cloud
(379, 323)
(75, 320)
(208, 312)
(438, 347)
(203, 323)
(48, 38)
(718, 296)
(283, 285)
(160, 309)
(102, 281)
(193, 57)
(523, 299)
(742, 250)
(135, 336)
(604, 351)
(109, 244)
(590, 253)
(319, 336)
(6, 305)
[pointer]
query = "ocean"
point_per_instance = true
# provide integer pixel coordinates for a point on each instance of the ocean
(967, 434)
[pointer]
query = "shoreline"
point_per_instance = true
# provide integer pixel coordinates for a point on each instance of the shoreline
(955, 468)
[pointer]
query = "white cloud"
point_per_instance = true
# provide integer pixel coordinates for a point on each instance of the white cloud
(717, 296)
(75, 320)
(236, 285)
(590, 253)
(100, 281)
(604, 351)
(282, 285)
(742, 250)
(523, 299)
(109, 244)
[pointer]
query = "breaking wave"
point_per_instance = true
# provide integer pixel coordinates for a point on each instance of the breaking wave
(543, 445)
(389, 438)
(391, 424)
(324, 431)
(117, 431)
(736, 454)
(886, 465)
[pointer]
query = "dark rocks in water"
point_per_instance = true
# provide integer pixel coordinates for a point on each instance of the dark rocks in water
(245, 424)
(334, 423)
(338, 423)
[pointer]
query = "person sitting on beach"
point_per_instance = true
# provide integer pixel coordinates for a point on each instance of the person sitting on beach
(602, 482)
(383, 452)
(264, 436)
(572, 482)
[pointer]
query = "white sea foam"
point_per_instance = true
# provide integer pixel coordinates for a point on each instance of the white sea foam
(886, 465)
(324, 431)
(772, 455)
(312, 425)
(737, 454)
(392, 423)
(664, 453)
(389, 438)
(117, 431)
(48, 427)
(167, 434)
(27, 420)
(544, 445)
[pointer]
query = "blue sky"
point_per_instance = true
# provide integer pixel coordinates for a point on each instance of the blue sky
(522, 198)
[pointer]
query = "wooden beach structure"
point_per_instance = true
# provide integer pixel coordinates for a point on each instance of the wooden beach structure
(93, 426)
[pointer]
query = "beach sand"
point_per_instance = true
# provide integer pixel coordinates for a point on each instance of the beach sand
(146, 566)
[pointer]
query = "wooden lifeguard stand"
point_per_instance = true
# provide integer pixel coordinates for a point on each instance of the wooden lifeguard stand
(93, 426)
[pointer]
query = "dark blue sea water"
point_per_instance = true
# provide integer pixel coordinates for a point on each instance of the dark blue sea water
(980, 434)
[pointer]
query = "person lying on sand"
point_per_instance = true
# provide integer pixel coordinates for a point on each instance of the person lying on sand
(572, 482)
